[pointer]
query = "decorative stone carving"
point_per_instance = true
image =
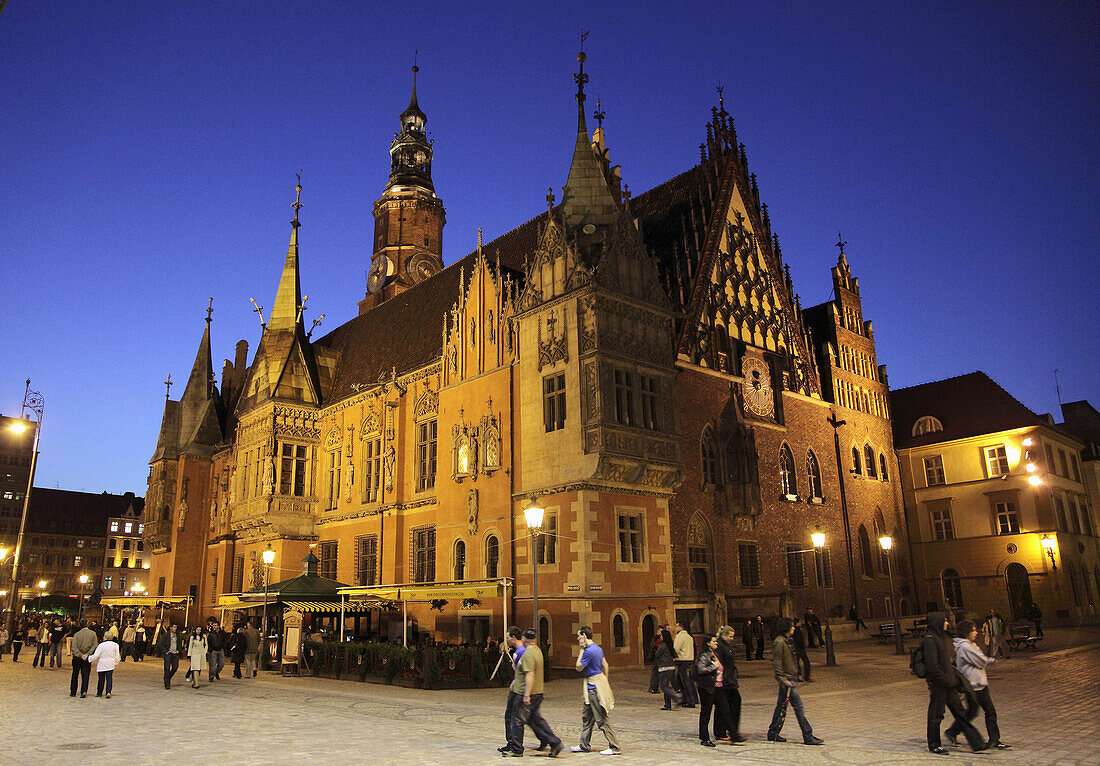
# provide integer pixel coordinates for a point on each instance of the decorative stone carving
(471, 511)
(490, 441)
(371, 425)
(490, 328)
(334, 439)
(350, 444)
(181, 517)
(427, 405)
(349, 480)
(269, 475)
(555, 348)
(389, 460)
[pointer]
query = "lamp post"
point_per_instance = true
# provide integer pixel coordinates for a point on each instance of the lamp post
(1048, 545)
(836, 424)
(33, 403)
(887, 544)
(80, 608)
(41, 589)
(533, 514)
(818, 538)
(268, 556)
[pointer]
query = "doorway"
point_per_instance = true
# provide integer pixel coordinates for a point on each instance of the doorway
(1019, 589)
(649, 629)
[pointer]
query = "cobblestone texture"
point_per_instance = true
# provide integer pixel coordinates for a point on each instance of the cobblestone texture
(869, 710)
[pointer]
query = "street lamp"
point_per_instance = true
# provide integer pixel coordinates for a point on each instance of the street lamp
(1048, 545)
(41, 588)
(534, 514)
(268, 556)
(80, 609)
(33, 404)
(818, 539)
(887, 544)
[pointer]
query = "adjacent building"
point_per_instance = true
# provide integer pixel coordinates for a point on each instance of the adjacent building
(638, 366)
(15, 468)
(125, 565)
(996, 501)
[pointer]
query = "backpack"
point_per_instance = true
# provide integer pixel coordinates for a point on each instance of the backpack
(916, 661)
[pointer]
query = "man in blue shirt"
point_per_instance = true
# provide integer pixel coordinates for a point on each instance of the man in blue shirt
(598, 700)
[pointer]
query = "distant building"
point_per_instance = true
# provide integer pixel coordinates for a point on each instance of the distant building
(125, 564)
(66, 536)
(996, 502)
(15, 468)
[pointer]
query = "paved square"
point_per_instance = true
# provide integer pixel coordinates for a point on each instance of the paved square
(869, 710)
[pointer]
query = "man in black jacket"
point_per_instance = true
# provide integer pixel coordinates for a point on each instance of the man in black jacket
(215, 649)
(943, 687)
(798, 644)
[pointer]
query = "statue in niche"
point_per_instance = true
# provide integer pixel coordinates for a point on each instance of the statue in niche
(257, 570)
(269, 476)
(471, 508)
(181, 519)
(213, 514)
(473, 332)
(490, 329)
(389, 460)
(452, 361)
(349, 481)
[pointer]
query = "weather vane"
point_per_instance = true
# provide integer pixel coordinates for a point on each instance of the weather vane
(259, 311)
(840, 243)
(297, 200)
(599, 114)
(209, 310)
(167, 386)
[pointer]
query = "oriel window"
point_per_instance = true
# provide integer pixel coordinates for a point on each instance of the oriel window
(553, 402)
(426, 456)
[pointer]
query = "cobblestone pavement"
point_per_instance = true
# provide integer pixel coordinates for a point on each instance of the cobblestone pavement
(869, 710)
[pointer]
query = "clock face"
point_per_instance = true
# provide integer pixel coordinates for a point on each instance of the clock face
(376, 277)
(422, 267)
(757, 387)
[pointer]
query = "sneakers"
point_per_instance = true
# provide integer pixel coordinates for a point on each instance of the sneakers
(502, 749)
(510, 753)
(952, 740)
(578, 749)
(83, 695)
(108, 695)
(1000, 746)
(941, 750)
(707, 743)
(611, 751)
(813, 741)
(776, 738)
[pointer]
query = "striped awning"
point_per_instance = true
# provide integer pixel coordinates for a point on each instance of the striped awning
(238, 605)
(141, 600)
(327, 607)
(429, 591)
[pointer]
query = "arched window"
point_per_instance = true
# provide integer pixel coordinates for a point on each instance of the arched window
(709, 454)
(544, 631)
(882, 472)
(813, 476)
(857, 461)
(460, 561)
(492, 557)
(927, 425)
(952, 589)
(869, 459)
(699, 555)
(866, 562)
(787, 484)
(618, 631)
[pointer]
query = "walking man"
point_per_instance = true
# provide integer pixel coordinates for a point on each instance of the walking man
(685, 658)
(84, 643)
(129, 636)
(995, 635)
(252, 651)
(786, 674)
(514, 641)
(853, 615)
(596, 693)
(758, 636)
(215, 650)
(798, 643)
(528, 683)
(57, 638)
(972, 663)
(168, 646)
(943, 687)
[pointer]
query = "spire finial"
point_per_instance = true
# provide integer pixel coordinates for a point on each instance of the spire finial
(840, 243)
(721, 103)
(167, 386)
(550, 198)
(479, 240)
(209, 310)
(581, 78)
(297, 200)
(599, 114)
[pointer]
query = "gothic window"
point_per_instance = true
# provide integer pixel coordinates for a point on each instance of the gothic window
(813, 476)
(869, 459)
(333, 478)
(748, 564)
(425, 456)
(649, 389)
(618, 631)
(882, 472)
(857, 461)
(787, 483)
(292, 470)
(326, 559)
(630, 538)
(553, 402)
(372, 469)
(423, 554)
(492, 557)
(624, 397)
(490, 444)
(796, 571)
(933, 471)
(866, 561)
(709, 452)
(927, 425)
(464, 449)
(460, 561)
(546, 544)
(952, 588)
(366, 559)
(699, 555)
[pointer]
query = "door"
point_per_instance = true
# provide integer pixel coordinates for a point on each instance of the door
(649, 629)
(1019, 589)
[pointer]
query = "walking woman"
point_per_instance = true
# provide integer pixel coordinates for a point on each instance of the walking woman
(196, 652)
(727, 695)
(106, 656)
(666, 669)
(707, 671)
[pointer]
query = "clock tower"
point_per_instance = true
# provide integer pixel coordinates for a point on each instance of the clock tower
(408, 217)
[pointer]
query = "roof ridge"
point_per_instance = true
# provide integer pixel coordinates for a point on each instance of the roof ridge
(935, 382)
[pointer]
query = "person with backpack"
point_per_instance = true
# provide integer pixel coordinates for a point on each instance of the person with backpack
(932, 662)
(972, 662)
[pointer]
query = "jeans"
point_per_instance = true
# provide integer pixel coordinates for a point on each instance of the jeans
(106, 678)
(126, 649)
(789, 694)
(529, 715)
(55, 653)
(665, 681)
(251, 663)
(940, 698)
(687, 688)
(985, 703)
(216, 660)
(83, 669)
(15, 647)
(727, 712)
(759, 647)
(594, 714)
(171, 665)
(42, 648)
(515, 702)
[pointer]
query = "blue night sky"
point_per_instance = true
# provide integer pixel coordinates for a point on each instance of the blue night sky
(149, 151)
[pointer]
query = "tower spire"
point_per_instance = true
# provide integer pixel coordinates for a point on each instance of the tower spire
(284, 312)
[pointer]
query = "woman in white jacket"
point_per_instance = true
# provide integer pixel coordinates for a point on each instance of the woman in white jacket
(105, 657)
(196, 653)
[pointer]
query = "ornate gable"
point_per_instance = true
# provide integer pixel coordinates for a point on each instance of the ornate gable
(477, 332)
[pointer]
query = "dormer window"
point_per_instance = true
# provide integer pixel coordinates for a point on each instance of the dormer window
(927, 425)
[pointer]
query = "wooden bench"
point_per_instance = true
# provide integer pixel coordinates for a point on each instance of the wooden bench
(885, 632)
(1020, 638)
(920, 627)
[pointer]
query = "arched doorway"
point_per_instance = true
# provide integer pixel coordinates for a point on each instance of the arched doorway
(1019, 589)
(649, 629)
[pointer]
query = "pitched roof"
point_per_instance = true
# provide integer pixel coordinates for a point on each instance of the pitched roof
(967, 405)
(64, 512)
